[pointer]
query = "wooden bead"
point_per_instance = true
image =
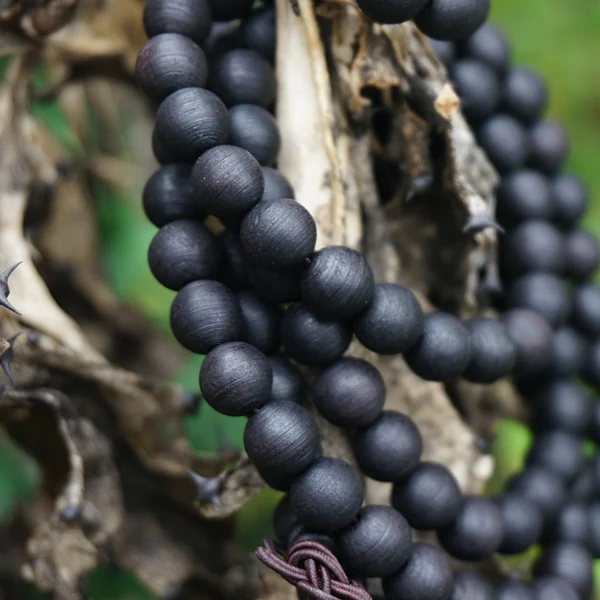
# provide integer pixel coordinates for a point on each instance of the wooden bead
(524, 195)
(571, 198)
(262, 322)
(189, 122)
(337, 283)
(525, 94)
(377, 545)
(559, 452)
(230, 10)
(277, 187)
(288, 383)
(553, 588)
(234, 273)
(279, 234)
(542, 487)
(254, 129)
(521, 523)
(168, 196)
(392, 322)
(452, 19)
(235, 379)
(191, 18)
(513, 590)
(170, 62)
(548, 146)
(488, 45)
(390, 448)
(259, 32)
(478, 87)
(562, 405)
(586, 309)
(327, 496)
(282, 440)
(205, 314)
(350, 393)
(243, 77)
(223, 38)
(227, 182)
(572, 524)
(569, 350)
(582, 255)
(313, 341)
(182, 252)
(505, 142)
(471, 586)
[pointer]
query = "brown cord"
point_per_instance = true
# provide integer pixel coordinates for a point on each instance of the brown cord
(313, 569)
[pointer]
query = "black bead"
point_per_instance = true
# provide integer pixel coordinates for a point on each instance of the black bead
(571, 198)
(558, 451)
(301, 534)
(553, 588)
(327, 496)
(227, 182)
(277, 186)
(445, 51)
(259, 32)
(572, 524)
(205, 314)
(586, 309)
(392, 322)
(521, 523)
(582, 255)
(313, 341)
(280, 287)
(524, 195)
(533, 246)
(476, 533)
(391, 11)
(513, 590)
(594, 533)
(234, 273)
(563, 405)
(191, 18)
(570, 562)
(444, 350)
(279, 234)
(591, 367)
(505, 141)
(254, 129)
(452, 19)
(478, 88)
(524, 95)
(288, 383)
(282, 440)
(284, 520)
(548, 146)
(223, 38)
(488, 45)
(426, 575)
(532, 337)
(230, 10)
(542, 487)
(189, 122)
(493, 354)
(470, 586)
(182, 252)
(262, 322)
(543, 293)
(161, 155)
(390, 448)
(243, 77)
(429, 498)
(377, 545)
(583, 489)
(168, 196)
(569, 352)
(235, 379)
(170, 62)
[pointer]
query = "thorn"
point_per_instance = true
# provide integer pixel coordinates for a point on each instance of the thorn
(419, 185)
(191, 402)
(70, 514)
(480, 221)
(5, 290)
(7, 356)
(208, 488)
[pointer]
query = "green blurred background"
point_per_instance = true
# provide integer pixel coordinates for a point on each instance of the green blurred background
(560, 39)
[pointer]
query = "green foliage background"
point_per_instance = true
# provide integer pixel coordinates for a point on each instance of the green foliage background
(560, 39)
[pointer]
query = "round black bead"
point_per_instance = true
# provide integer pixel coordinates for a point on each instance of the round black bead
(288, 383)
(161, 155)
(572, 524)
(429, 498)
(338, 283)
(524, 95)
(569, 352)
(559, 452)
(548, 146)
(586, 309)
(444, 350)
(478, 88)
(280, 287)
(279, 234)
(553, 588)
(282, 440)
(452, 19)
(493, 355)
(223, 38)
(563, 405)
(254, 129)
(489, 46)
(182, 252)
(570, 562)
(524, 195)
(235, 379)
(476, 533)
(591, 367)
(513, 590)
(582, 255)
(521, 523)
(445, 51)
(350, 393)
(284, 520)
(191, 18)
(227, 182)
(230, 10)
(390, 448)
(505, 141)
(234, 273)
(470, 586)
(377, 545)
(189, 122)
(168, 196)
(392, 322)
(532, 337)
(205, 314)
(262, 322)
(327, 496)
(277, 187)
(426, 575)
(170, 62)
(259, 32)
(391, 11)
(243, 77)
(571, 198)
(583, 488)
(311, 340)
(594, 533)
